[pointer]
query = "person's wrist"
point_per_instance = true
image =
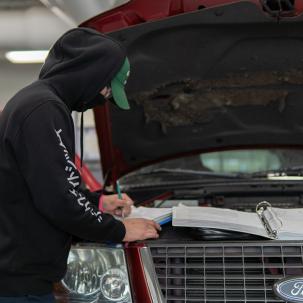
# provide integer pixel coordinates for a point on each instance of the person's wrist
(101, 205)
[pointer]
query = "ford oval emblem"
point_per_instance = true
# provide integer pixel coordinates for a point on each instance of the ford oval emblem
(290, 289)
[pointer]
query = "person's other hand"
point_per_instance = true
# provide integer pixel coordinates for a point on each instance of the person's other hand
(118, 207)
(140, 229)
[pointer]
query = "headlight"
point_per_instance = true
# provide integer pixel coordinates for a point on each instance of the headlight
(113, 286)
(95, 275)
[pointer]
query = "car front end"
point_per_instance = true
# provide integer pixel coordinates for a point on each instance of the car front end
(216, 92)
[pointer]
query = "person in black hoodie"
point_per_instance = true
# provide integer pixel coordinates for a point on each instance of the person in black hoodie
(41, 201)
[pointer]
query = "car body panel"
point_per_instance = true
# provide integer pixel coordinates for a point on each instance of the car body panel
(211, 79)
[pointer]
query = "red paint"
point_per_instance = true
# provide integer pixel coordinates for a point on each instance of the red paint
(140, 11)
(298, 7)
(162, 197)
(112, 161)
(139, 288)
(88, 178)
(104, 134)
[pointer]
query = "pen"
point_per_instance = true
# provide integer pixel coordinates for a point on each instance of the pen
(120, 197)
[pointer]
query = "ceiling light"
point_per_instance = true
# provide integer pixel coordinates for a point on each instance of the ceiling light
(37, 56)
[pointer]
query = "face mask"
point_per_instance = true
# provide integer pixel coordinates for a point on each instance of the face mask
(96, 101)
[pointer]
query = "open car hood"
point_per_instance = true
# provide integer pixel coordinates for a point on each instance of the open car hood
(229, 76)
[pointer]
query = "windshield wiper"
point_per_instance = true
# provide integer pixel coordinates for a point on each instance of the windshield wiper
(177, 171)
(287, 172)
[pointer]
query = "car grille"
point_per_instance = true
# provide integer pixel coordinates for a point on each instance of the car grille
(228, 272)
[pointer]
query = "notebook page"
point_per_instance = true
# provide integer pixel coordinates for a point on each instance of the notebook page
(156, 214)
(149, 212)
(292, 223)
(225, 219)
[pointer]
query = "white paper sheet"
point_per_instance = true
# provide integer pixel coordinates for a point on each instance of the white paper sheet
(219, 218)
(292, 223)
(156, 214)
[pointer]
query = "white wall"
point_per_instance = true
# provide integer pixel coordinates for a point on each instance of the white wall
(14, 77)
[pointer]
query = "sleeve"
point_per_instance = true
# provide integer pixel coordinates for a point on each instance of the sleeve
(44, 148)
(93, 196)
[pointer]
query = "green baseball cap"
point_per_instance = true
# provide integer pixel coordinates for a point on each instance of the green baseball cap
(118, 83)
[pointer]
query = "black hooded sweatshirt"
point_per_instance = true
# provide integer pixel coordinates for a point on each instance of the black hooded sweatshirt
(41, 202)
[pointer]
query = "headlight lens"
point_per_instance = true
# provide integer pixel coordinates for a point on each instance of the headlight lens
(96, 275)
(113, 286)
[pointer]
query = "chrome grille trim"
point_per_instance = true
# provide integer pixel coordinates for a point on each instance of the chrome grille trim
(224, 272)
(150, 275)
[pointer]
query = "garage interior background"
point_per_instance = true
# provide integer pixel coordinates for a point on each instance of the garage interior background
(36, 25)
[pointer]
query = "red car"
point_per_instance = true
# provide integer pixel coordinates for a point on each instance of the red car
(216, 92)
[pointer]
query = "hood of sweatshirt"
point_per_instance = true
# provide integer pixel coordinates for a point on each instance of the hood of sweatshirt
(80, 64)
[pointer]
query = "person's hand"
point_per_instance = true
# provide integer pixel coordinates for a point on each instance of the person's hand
(140, 229)
(118, 207)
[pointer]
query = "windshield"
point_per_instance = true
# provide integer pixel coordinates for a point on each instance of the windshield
(231, 162)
